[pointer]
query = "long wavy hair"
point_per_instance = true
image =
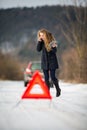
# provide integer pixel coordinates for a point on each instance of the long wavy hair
(48, 38)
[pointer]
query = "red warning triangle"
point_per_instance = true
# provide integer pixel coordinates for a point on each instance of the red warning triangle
(36, 80)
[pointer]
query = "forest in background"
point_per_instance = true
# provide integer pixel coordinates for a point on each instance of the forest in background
(18, 38)
(19, 26)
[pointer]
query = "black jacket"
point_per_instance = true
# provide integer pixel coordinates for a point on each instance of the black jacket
(48, 59)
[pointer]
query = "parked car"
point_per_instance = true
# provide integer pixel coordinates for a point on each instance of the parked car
(31, 68)
(29, 71)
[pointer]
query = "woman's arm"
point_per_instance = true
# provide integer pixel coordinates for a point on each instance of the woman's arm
(53, 46)
(40, 45)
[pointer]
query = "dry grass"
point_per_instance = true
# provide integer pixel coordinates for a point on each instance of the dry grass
(73, 68)
(9, 68)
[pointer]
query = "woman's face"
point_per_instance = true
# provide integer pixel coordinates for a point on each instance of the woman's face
(42, 36)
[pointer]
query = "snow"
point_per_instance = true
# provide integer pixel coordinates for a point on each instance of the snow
(67, 112)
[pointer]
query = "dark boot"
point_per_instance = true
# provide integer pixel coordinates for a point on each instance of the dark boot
(58, 90)
(48, 85)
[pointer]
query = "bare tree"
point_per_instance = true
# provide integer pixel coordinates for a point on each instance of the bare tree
(76, 33)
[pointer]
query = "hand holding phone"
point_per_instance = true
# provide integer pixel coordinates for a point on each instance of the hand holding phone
(40, 39)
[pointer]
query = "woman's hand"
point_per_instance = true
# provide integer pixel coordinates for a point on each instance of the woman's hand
(54, 45)
(40, 39)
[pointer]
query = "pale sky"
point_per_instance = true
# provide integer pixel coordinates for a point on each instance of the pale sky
(33, 3)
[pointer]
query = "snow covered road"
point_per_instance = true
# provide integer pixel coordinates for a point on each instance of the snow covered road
(67, 112)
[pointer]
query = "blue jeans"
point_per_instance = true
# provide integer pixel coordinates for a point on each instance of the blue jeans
(50, 73)
(54, 79)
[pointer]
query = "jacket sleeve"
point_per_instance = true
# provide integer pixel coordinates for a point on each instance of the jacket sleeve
(40, 45)
(54, 49)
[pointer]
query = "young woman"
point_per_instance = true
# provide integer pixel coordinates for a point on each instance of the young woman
(49, 63)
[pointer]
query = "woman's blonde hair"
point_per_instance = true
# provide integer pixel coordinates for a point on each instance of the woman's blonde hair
(48, 38)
